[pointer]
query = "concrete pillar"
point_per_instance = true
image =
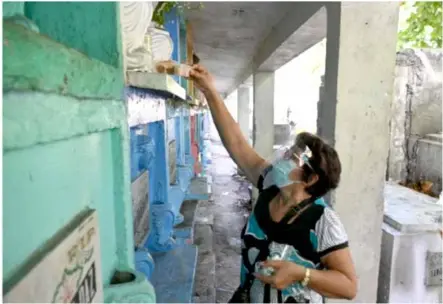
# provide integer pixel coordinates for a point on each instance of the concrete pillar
(354, 116)
(263, 116)
(243, 110)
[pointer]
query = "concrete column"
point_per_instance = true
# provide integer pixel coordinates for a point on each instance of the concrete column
(263, 114)
(263, 117)
(243, 110)
(354, 115)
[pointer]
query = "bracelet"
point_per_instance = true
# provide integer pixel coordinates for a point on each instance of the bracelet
(305, 281)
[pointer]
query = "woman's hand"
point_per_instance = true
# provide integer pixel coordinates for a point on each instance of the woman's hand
(202, 79)
(337, 281)
(285, 273)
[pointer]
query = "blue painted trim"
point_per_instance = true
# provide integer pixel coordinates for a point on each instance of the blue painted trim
(144, 262)
(161, 220)
(172, 25)
(200, 132)
(141, 147)
(180, 140)
(187, 133)
(176, 196)
(205, 142)
(176, 191)
(172, 110)
(149, 151)
(183, 53)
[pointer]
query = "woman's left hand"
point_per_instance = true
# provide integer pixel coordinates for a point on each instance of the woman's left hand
(285, 273)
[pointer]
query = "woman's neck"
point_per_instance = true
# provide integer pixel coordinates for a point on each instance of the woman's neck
(280, 206)
(293, 199)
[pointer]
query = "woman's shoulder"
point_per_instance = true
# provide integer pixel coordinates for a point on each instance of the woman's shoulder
(326, 216)
(330, 226)
(327, 212)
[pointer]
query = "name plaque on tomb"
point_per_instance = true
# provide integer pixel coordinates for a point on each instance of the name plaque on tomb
(66, 270)
(433, 269)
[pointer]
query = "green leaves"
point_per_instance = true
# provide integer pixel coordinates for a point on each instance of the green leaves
(161, 9)
(424, 26)
(165, 7)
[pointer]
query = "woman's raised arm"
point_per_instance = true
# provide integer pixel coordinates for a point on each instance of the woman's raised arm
(238, 147)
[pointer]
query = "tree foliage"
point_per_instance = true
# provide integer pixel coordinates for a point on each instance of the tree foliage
(164, 7)
(424, 26)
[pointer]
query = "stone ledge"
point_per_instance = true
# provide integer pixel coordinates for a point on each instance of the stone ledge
(409, 211)
(203, 214)
(205, 280)
(199, 189)
(188, 210)
(33, 62)
(204, 238)
(434, 137)
(428, 141)
(156, 81)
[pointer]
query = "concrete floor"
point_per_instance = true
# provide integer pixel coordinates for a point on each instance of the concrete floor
(218, 225)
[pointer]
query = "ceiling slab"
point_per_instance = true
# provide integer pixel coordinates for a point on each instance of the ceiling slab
(234, 38)
(227, 35)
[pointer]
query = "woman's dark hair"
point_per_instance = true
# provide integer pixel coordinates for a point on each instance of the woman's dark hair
(324, 162)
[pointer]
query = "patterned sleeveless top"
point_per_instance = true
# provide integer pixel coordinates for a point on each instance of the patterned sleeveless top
(316, 232)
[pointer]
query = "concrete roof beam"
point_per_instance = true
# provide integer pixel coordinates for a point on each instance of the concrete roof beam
(307, 20)
(234, 39)
(302, 26)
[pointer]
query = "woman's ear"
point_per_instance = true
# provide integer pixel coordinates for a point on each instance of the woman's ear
(312, 180)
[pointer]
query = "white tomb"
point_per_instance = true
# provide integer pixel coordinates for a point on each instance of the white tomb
(411, 250)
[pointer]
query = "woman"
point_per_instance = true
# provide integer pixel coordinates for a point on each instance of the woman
(290, 218)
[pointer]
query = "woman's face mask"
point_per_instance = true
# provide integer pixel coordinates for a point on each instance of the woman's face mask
(282, 166)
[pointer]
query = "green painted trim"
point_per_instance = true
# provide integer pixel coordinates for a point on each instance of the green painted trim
(119, 39)
(12, 8)
(33, 62)
(91, 27)
(31, 118)
(123, 200)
